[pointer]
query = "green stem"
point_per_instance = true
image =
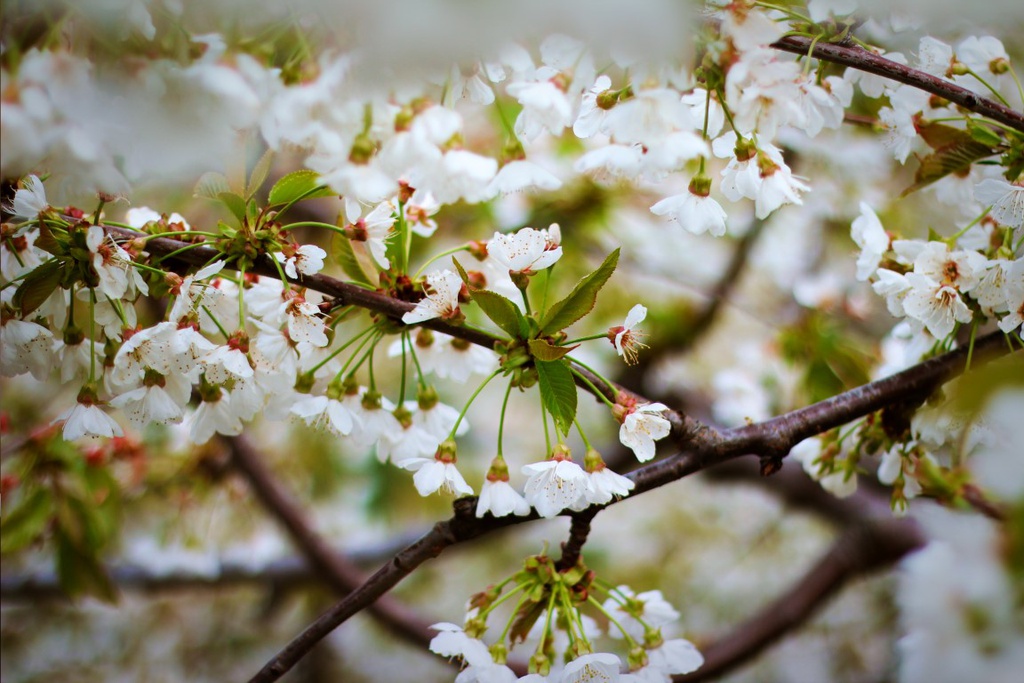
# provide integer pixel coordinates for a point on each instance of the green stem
(174, 253)
(999, 95)
(458, 421)
(501, 420)
(401, 391)
(589, 337)
(1020, 89)
(170, 233)
(314, 224)
(586, 442)
(216, 322)
(625, 634)
(362, 359)
(448, 252)
(611, 387)
(92, 335)
(241, 297)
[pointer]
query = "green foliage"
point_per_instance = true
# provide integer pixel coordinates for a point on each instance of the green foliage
(345, 256)
(37, 287)
(955, 151)
(831, 363)
(581, 299)
(499, 309)
(557, 391)
(296, 186)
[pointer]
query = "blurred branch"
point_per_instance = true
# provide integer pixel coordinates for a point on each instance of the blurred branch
(706, 317)
(285, 572)
(858, 58)
(771, 439)
(860, 550)
(338, 572)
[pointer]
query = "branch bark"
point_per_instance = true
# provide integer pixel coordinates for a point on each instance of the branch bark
(772, 438)
(858, 58)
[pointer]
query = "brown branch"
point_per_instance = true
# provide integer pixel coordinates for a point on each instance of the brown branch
(338, 572)
(572, 549)
(285, 572)
(858, 58)
(768, 437)
(861, 550)
(707, 316)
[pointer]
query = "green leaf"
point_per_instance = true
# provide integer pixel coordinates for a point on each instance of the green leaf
(80, 571)
(345, 256)
(955, 151)
(983, 134)
(259, 174)
(235, 204)
(211, 184)
(37, 287)
(499, 309)
(581, 299)
(502, 311)
(304, 184)
(541, 349)
(558, 391)
(26, 522)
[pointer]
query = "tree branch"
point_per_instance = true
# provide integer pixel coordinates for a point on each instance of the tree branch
(862, 549)
(338, 572)
(768, 437)
(858, 58)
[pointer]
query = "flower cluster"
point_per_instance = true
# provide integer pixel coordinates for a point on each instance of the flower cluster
(548, 616)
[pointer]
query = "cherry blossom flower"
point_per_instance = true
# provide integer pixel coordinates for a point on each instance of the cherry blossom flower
(838, 482)
(26, 347)
(1014, 291)
(305, 324)
(442, 301)
(85, 418)
(596, 666)
(525, 251)
(554, 484)
(459, 175)
(603, 485)
(674, 656)
(453, 641)
(1006, 200)
(374, 230)
(30, 199)
(307, 260)
(625, 338)
(696, 212)
(641, 426)
(591, 112)
(322, 411)
(160, 400)
(870, 236)
(214, 415)
(545, 108)
(519, 175)
(438, 473)
(497, 496)
(633, 611)
(935, 305)
(113, 265)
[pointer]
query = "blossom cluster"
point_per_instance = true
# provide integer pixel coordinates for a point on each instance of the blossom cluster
(562, 636)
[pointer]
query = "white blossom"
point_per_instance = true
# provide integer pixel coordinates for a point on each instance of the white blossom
(641, 427)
